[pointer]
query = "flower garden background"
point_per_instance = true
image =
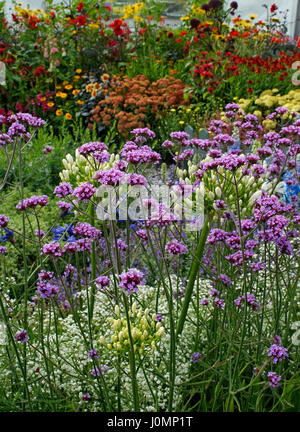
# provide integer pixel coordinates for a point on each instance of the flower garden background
(171, 310)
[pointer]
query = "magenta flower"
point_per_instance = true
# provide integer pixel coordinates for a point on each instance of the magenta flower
(174, 247)
(273, 379)
(130, 280)
(110, 176)
(102, 282)
(86, 230)
(278, 353)
(52, 248)
(63, 190)
(84, 192)
(22, 336)
(33, 202)
(3, 221)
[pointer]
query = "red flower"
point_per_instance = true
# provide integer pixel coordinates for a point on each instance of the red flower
(142, 31)
(80, 6)
(39, 70)
(111, 43)
(116, 25)
(32, 22)
(273, 8)
(107, 7)
(81, 20)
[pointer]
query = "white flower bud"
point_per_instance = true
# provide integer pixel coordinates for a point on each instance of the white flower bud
(211, 195)
(218, 192)
(70, 158)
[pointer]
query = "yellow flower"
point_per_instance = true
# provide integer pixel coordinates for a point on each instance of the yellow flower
(94, 26)
(137, 18)
(59, 112)
(78, 71)
(43, 99)
(252, 16)
(269, 124)
(58, 87)
(68, 87)
(105, 77)
(68, 116)
(80, 102)
(63, 95)
(50, 104)
(75, 92)
(76, 77)
(258, 114)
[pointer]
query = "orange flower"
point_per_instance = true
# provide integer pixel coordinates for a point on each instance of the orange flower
(68, 116)
(105, 77)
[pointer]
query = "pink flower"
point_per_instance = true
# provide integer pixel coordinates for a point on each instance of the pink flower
(174, 247)
(84, 192)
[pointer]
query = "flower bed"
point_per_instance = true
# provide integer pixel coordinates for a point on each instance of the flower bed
(149, 218)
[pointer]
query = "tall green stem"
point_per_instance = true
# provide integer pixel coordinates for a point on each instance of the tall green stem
(192, 276)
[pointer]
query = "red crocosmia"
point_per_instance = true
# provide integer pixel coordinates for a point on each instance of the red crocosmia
(117, 26)
(108, 7)
(249, 90)
(178, 40)
(142, 30)
(39, 70)
(183, 33)
(80, 6)
(15, 18)
(33, 21)
(112, 43)
(19, 107)
(233, 33)
(81, 20)
(273, 8)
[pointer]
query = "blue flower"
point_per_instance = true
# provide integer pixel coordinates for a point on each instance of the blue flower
(290, 189)
(64, 233)
(9, 234)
